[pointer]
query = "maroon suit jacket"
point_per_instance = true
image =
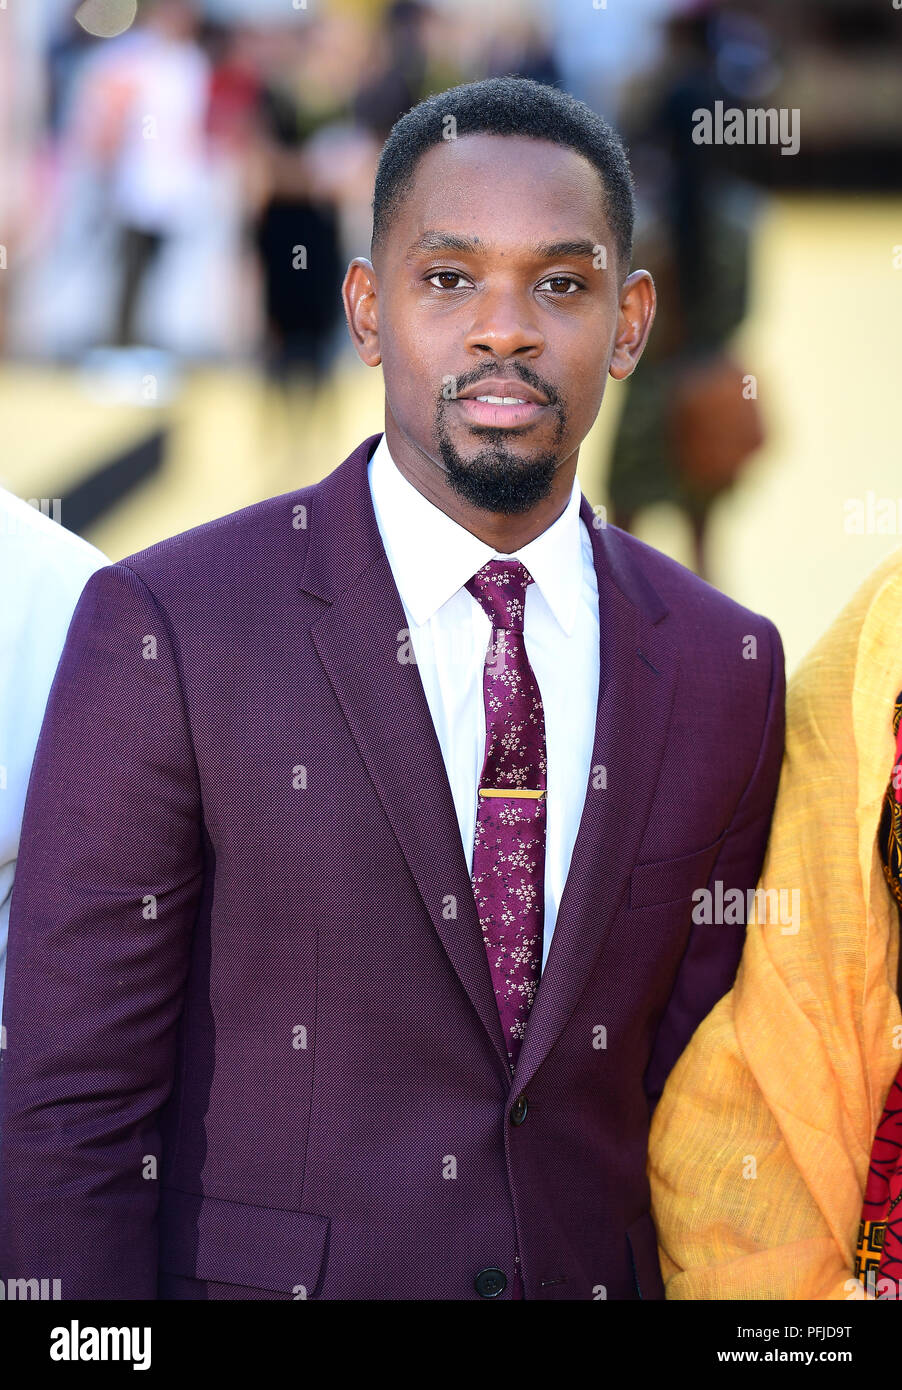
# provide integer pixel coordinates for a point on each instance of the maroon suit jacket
(253, 1047)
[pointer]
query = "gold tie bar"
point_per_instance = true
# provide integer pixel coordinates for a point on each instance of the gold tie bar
(511, 791)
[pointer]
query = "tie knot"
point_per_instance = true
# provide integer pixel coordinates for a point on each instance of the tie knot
(499, 587)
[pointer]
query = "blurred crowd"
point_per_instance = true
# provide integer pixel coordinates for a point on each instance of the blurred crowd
(184, 171)
(190, 178)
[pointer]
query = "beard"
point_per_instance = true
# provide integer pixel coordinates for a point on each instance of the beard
(496, 480)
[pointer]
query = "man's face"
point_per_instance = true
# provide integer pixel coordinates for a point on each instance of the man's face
(498, 277)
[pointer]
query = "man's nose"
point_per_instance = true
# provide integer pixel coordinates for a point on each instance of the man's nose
(505, 324)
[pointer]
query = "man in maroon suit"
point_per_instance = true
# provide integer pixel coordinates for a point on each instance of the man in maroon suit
(352, 938)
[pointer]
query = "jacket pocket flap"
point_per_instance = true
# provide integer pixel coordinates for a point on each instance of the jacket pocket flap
(643, 1243)
(236, 1243)
(669, 880)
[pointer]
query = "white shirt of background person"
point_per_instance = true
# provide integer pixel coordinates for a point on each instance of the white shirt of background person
(43, 569)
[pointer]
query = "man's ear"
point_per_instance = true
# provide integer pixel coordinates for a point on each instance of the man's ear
(360, 297)
(637, 314)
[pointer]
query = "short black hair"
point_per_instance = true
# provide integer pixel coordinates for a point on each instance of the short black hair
(507, 106)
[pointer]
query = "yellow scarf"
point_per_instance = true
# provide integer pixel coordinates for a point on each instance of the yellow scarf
(760, 1143)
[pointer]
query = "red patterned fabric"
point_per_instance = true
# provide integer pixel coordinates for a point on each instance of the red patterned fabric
(879, 1253)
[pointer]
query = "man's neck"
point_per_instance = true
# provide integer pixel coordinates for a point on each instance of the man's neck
(503, 532)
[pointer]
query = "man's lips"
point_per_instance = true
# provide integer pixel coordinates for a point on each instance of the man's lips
(502, 401)
(497, 413)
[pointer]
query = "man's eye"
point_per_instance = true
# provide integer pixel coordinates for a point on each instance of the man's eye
(445, 275)
(561, 284)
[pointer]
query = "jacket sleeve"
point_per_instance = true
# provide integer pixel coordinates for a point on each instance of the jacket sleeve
(103, 906)
(714, 949)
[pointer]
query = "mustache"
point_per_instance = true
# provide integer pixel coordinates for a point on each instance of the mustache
(525, 374)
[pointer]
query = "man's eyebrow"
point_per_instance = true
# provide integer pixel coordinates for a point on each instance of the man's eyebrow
(558, 250)
(442, 241)
(433, 240)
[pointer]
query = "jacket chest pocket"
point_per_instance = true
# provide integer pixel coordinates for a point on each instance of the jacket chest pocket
(672, 880)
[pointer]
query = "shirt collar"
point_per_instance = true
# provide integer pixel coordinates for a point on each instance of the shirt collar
(433, 556)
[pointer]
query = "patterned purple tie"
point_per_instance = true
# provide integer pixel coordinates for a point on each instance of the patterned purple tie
(509, 848)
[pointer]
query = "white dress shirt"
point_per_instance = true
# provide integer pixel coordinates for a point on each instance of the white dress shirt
(431, 558)
(43, 569)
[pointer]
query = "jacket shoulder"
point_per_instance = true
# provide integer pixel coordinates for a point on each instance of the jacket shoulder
(215, 555)
(693, 604)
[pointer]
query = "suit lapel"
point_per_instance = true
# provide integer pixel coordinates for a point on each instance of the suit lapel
(638, 669)
(358, 639)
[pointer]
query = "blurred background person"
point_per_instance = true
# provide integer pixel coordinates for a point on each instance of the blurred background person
(695, 229)
(143, 117)
(297, 232)
(226, 282)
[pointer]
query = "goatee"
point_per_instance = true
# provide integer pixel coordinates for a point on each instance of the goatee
(497, 481)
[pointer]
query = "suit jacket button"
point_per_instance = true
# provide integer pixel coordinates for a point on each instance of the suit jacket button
(518, 1113)
(490, 1283)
